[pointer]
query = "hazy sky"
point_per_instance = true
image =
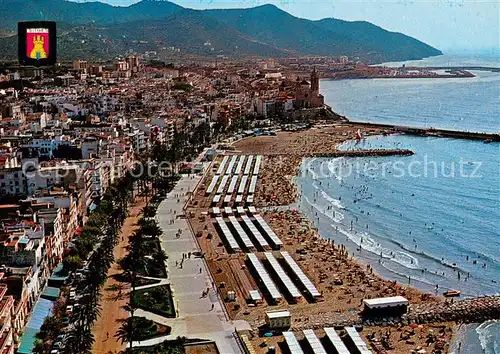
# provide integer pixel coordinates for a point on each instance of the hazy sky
(449, 25)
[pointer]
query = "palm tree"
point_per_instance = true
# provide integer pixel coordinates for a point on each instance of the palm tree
(98, 238)
(146, 192)
(159, 256)
(148, 211)
(80, 340)
(40, 347)
(149, 227)
(127, 331)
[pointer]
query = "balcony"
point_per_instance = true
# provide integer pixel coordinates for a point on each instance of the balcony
(9, 349)
(6, 305)
(6, 341)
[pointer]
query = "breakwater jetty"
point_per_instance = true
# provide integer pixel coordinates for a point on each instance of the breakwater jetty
(472, 310)
(352, 153)
(476, 68)
(364, 153)
(445, 133)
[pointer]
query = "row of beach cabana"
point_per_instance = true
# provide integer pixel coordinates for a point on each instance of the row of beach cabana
(331, 341)
(237, 174)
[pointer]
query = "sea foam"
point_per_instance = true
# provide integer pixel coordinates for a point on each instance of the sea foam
(489, 336)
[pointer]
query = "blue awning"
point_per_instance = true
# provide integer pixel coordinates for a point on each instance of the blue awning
(43, 309)
(57, 276)
(51, 293)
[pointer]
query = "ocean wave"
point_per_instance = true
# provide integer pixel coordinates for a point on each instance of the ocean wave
(405, 258)
(482, 257)
(366, 242)
(413, 277)
(335, 202)
(423, 254)
(369, 244)
(333, 166)
(336, 217)
(489, 336)
(310, 169)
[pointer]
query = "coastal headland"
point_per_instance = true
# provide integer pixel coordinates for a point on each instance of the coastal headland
(342, 281)
(381, 72)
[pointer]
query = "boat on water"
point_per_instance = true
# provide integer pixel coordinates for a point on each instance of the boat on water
(487, 141)
(451, 293)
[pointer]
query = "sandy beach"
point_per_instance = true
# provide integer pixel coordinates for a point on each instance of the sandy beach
(285, 152)
(343, 281)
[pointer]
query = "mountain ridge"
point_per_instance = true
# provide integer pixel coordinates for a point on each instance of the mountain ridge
(260, 31)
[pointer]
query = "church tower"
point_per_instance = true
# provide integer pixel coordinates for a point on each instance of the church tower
(314, 82)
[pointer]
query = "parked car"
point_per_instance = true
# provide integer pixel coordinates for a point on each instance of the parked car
(69, 310)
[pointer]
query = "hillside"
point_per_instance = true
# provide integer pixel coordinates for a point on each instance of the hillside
(103, 31)
(325, 37)
(13, 11)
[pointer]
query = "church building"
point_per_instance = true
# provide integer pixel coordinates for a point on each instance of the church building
(307, 94)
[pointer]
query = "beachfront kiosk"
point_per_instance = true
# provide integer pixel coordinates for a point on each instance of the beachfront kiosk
(385, 306)
(278, 319)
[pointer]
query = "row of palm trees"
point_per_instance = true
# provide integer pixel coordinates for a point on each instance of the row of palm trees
(96, 244)
(135, 262)
(98, 238)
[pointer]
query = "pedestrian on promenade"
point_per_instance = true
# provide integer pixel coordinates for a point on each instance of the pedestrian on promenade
(212, 307)
(200, 270)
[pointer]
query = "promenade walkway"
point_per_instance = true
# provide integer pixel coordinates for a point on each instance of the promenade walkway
(197, 316)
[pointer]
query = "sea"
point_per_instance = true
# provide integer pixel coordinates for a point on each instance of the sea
(468, 104)
(430, 220)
